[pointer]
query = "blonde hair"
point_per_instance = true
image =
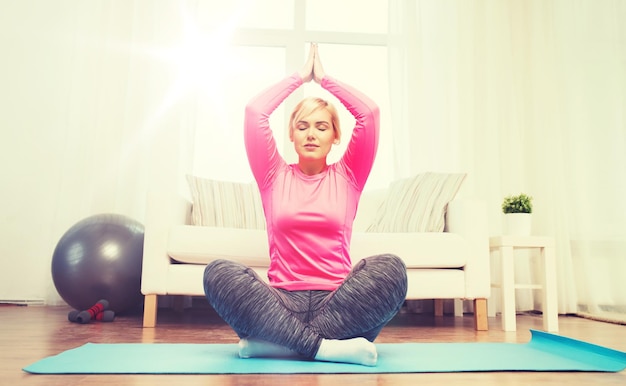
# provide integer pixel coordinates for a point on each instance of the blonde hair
(308, 106)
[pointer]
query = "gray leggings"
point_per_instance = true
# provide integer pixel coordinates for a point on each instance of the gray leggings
(369, 297)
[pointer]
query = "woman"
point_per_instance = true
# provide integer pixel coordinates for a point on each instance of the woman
(316, 304)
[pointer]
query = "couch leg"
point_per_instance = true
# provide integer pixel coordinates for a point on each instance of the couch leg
(150, 311)
(438, 307)
(480, 314)
(458, 307)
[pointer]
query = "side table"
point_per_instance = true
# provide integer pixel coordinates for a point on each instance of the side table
(506, 245)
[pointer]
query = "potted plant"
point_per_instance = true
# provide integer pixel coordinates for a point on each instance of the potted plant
(517, 211)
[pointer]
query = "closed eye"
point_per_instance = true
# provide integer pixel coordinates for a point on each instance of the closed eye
(302, 125)
(322, 126)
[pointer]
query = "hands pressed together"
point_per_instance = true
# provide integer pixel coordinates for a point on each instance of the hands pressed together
(312, 69)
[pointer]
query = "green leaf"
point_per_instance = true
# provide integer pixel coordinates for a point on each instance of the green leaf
(520, 203)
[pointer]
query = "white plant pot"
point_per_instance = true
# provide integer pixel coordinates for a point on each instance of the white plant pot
(517, 224)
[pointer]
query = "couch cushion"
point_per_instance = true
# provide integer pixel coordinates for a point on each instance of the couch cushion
(417, 250)
(225, 204)
(201, 245)
(417, 204)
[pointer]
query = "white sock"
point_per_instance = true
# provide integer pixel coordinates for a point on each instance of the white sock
(359, 351)
(256, 348)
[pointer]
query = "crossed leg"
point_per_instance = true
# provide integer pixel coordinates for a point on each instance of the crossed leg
(337, 326)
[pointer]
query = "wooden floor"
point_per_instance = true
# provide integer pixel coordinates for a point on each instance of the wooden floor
(28, 334)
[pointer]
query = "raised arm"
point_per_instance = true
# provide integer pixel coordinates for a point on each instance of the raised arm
(263, 154)
(359, 157)
(260, 144)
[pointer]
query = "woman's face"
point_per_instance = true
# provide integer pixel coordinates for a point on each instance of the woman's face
(313, 135)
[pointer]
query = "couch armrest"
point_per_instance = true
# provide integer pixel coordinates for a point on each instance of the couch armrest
(468, 217)
(163, 210)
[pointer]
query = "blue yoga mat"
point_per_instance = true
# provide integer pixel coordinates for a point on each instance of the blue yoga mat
(544, 352)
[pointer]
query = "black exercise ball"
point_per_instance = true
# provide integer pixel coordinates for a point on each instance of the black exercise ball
(100, 258)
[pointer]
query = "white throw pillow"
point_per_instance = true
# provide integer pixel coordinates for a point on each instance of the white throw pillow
(417, 204)
(225, 204)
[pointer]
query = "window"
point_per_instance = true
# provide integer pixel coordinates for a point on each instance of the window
(353, 16)
(266, 41)
(252, 14)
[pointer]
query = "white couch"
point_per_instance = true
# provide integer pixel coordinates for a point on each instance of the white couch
(453, 264)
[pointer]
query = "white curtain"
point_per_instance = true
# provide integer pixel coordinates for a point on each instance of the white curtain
(525, 96)
(86, 116)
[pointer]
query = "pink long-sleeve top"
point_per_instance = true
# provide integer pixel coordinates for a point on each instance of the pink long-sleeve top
(309, 217)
